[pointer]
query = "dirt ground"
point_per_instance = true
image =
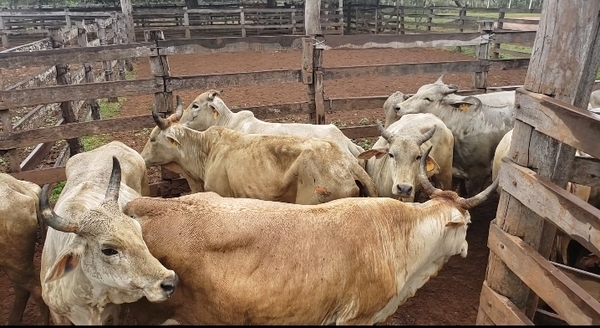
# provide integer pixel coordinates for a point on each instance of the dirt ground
(450, 298)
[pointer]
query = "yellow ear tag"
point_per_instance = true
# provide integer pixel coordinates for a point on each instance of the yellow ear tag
(430, 165)
(174, 143)
(464, 107)
(215, 114)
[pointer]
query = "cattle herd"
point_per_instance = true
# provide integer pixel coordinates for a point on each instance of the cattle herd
(286, 223)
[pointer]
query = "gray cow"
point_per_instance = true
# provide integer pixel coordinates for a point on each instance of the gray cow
(477, 123)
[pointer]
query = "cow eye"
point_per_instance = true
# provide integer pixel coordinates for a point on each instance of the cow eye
(152, 139)
(419, 158)
(109, 251)
(428, 99)
(194, 106)
(391, 155)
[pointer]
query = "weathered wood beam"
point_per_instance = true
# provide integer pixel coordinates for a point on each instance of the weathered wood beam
(208, 81)
(400, 69)
(500, 309)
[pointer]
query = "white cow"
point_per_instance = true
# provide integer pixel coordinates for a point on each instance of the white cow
(252, 262)
(594, 100)
(285, 168)
(393, 162)
(18, 233)
(208, 109)
(389, 107)
(94, 257)
(477, 122)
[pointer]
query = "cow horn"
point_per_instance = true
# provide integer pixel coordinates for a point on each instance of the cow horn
(387, 135)
(480, 197)
(114, 184)
(160, 122)
(450, 88)
(179, 109)
(427, 185)
(439, 80)
(51, 218)
(426, 136)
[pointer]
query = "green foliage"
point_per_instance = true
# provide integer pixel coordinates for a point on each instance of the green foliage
(56, 191)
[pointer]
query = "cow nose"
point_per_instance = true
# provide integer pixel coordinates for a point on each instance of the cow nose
(404, 189)
(169, 285)
(397, 108)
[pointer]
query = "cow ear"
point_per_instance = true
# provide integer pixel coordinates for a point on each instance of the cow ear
(432, 166)
(67, 261)
(377, 152)
(462, 103)
(456, 221)
(215, 112)
(172, 139)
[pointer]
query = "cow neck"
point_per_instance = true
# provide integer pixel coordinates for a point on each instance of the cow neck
(197, 146)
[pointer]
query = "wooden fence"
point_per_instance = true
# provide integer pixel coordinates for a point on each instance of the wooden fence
(312, 74)
(541, 160)
(26, 117)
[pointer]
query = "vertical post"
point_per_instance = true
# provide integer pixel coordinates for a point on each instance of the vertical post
(341, 15)
(319, 115)
(461, 24)
(10, 155)
(67, 18)
(564, 67)
(397, 3)
(376, 20)
(429, 20)
(186, 22)
(127, 9)
(401, 13)
(122, 35)
(501, 14)
(106, 64)
(293, 19)
(63, 78)
(482, 51)
(312, 17)
(243, 21)
(3, 33)
(159, 65)
(82, 40)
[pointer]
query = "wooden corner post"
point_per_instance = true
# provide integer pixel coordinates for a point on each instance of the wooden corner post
(88, 69)
(482, 51)
(63, 78)
(127, 9)
(159, 65)
(563, 68)
(312, 60)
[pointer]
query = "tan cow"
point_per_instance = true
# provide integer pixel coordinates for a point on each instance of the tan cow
(348, 261)
(208, 109)
(389, 107)
(284, 168)
(18, 234)
(94, 257)
(393, 162)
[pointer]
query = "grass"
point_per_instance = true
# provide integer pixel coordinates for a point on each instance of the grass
(56, 191)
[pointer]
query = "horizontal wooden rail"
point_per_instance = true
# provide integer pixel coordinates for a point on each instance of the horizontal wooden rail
(61, 93)
(585, 171)
(564, 122)
(400, 69)
(563, 295)
(207, 81)
(401, 40)
(43, 14)
(230, 44)
(500, 309)
(577, 218)
(42, 176)
(75, 55)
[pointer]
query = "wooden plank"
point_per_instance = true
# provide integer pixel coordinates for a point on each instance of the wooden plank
(398, 41)
(42, 44)
(545, 318)
(567, 298)
(74, 55)
(276, 110)
(577, 218)
(208, 81)
(51, 94)
(365, 131)
(512, 52)
(49, 14)
(73, 130)
(500, 309)
(348, 72)
(230, 44)
(514, 63)
(43, 176)
(564, 122)
(585, 171)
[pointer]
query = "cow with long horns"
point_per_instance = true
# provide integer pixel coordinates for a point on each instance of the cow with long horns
(94, 257)
(348, 261)
(285, 168)
(393, 161)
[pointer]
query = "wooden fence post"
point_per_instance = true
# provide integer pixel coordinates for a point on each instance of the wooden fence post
(63, 78)
(293, 19)
(89, 69)
(341, 15)
(120, 36)
(562, 68)
(107, 65)
(401, 13)
(429, 20)
(3, 33)
(186, 22)
(312, 17)
(9, 155)
(319, 115)
(243, 21)
(67, 18)
(482, 50)
(127, 9)
(496, 53)
(159, 65)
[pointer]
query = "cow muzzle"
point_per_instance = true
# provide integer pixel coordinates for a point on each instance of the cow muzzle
(168, 286)
(403, 190)
(163, 289)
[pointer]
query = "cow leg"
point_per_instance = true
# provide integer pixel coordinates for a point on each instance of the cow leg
(21, 297)
(476, 182)
(25, 284)
(60, 320)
